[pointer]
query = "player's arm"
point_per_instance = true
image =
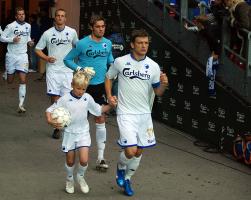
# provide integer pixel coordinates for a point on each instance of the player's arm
(69, 59)
(5, 37)
(161, 87)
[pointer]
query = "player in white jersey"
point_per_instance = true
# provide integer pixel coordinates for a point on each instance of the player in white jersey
(58, 40)
(17, 35)
(138, 77)
(77, 135)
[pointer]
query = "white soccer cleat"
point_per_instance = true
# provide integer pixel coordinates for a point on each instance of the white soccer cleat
(101, 164)
(21, 109)
(69, 187)
(83, 185)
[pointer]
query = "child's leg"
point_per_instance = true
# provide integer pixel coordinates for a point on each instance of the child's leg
(83, 164)
(69, 166)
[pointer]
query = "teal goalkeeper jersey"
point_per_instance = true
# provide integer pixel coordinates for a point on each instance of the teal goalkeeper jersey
(89, 53)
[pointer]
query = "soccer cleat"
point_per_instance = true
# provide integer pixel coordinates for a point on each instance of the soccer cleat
(127, 188)
(21, 109)
(120, 177)
(101, 165)
(56, 134)
(69, 188)
(83, 185)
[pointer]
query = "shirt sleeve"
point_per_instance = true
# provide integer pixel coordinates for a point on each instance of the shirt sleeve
(42, 42)
(75, 38)
(113, 70)
(57, 104)
(71, 56)
(5, 37)
(110, 56)
(93, 107)
(156, 78)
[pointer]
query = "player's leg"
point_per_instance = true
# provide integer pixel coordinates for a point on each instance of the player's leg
(22, 91)
(69, 166)
(10, 68)
(83, 164)
(98, 93)
(53, 90)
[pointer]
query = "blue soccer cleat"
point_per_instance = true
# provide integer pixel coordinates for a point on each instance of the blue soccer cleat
(127, 187)
(120, 178)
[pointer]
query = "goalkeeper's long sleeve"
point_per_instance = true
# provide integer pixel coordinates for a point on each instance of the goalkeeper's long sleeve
(69, 59)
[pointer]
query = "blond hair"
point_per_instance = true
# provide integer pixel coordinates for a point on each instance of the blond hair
(81, 79)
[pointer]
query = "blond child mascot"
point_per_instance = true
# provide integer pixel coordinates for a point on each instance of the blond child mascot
(76, 136)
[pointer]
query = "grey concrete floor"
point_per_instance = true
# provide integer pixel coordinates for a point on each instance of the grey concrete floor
(32, 164)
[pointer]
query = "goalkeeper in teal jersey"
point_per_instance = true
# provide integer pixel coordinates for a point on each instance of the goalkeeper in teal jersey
(94, 51)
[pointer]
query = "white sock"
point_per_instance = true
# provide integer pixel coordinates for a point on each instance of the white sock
(132, 167)
(101, 139)
(69, 171)
(82, 170)
(123, 161)
(22, 92)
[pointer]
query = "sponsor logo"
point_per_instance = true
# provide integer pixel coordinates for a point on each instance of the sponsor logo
(58, 41)
(95, 54)
(179, 119)
(118, 47)
(187, 105)
(221, 113)
(167, 54)
(21, 33)
(188, 72)
(211, 126)
(203, 109)
(174, 70)
(164, 115)
(240, 117)
(180, 88)
(172, 102)
(195, 123)
(135, 74)
(230, 132)
(196, 90)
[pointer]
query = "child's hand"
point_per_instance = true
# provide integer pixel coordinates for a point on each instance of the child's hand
(112, 100)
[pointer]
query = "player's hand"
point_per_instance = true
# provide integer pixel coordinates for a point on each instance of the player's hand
(51, 59)
(31, 43)
(163, 79)
(112, 100)
(55, 124)
(16, 39)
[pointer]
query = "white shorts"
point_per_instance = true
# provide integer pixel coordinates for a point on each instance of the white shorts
(136, 130)
(73, 141)
(17, 63)
(58, 83)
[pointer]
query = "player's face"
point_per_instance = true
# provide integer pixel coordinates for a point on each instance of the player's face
(78, 90)
(60, 18)
(20, 16)
(98, 29)
(140, 46)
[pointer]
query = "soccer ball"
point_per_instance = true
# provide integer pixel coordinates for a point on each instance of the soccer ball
(62, 116)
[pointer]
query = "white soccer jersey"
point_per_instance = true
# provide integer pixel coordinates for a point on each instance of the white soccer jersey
(78, 108)
(58, 43)
(136, 80)
(16, 29)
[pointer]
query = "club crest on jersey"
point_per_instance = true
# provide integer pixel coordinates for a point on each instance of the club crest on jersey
(127, 72)
(104, 45)
(146, 66)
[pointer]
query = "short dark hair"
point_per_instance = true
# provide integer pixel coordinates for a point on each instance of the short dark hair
(138, 33)
(18, 9)
(95, 18)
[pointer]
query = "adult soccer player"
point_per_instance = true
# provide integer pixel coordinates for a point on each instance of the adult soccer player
(58, 40)
(138, 77)
(94, 51)
(17, 35)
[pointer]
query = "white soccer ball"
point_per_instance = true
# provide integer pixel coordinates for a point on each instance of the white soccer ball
(62, 116)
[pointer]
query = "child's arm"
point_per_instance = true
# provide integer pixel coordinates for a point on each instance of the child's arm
(52, 122)
(106, 108)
